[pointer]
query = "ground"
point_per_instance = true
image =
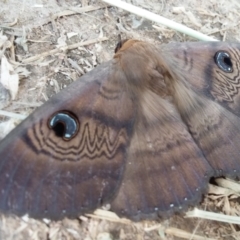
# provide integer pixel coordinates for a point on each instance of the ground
(34, 27)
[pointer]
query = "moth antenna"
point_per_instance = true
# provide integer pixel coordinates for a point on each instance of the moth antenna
(120, 43)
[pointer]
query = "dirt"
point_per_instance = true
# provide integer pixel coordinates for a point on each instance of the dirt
(32, 23)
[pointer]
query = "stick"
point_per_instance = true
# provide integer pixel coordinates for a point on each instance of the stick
(12, 115)
(185, 235)
(156, 18)
(66, 13)
(54, 51)
(213, 216)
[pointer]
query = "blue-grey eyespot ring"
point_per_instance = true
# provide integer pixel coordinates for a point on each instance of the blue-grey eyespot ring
(223, 61)
(64, 124)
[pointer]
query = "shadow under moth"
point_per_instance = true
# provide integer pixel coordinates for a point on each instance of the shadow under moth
(143, 132)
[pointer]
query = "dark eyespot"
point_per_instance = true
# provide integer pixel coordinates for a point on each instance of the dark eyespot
(64, 124)
(223, 60)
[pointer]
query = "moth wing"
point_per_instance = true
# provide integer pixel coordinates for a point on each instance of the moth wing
(206, 92)
(45, 175)
(165, 171)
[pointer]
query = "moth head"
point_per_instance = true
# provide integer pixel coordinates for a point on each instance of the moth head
(124, 44)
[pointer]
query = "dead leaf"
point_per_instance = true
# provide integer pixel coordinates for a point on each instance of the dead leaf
(9, 79)
(7, 126)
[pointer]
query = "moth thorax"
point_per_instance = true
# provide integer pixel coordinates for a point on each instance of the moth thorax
(185, 99)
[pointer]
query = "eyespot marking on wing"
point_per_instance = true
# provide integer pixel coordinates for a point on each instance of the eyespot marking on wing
(64, 124)
(223, 61)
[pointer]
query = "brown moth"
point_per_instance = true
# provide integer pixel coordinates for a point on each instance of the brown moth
(143, 132)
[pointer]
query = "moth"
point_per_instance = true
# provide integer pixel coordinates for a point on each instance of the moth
(143, 132)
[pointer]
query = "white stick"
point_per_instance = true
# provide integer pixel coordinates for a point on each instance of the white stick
(156, 18)
(213, 216)
(12, 115)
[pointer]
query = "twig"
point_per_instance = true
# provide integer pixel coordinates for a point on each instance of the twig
(185, 235)
(108, 216)
(12, 115)
(74, 9)
(13, 23)
(28, 104)
(67, 13)
(12, 49)
(65, 48)
(213, 216)
(156, 18)
(44, 79)
(9, 26)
